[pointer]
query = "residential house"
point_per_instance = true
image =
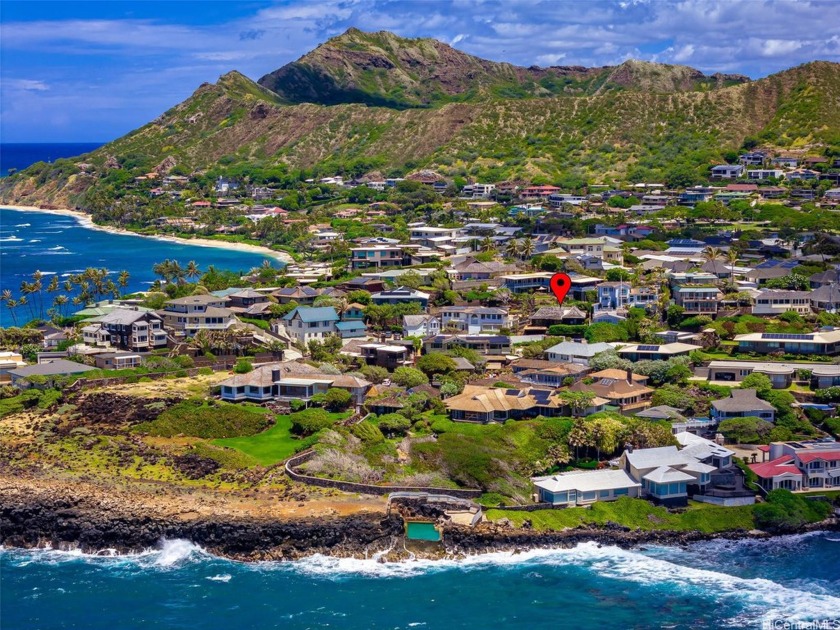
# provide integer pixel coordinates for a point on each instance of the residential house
(10, 361)
(656, 352)
(126, 329)
(249, 303)
(306, 323)
(580, 352)
(303, 295)
(805, 465)
(753, 158)
(474, 320)
(493, 404)
(193, 313)
(727, 171)
(53, 368)
(742, 403)
(363, 283)
(694, 196)
(584, 487)
(781, 375)
(698, 300)
(824, 278)
(485, 345)
(289, 381)
(774, 302)
(433, 236)
(547, 316)
(621, 295)
(377, 256)
(825, 342)
(667, 475)
(548, 373)
(627, 391)
(826, 298)
(785, 161)
(765, 173)
(420, 325)
(823, 376)
(471, 269)
(117, 360)
(802, 174)
(388, 355)
(527, 282)
(351, 328)
(52, 337)
(401, 295)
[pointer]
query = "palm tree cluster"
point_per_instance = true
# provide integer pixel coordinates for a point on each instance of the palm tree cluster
(52, 301)
(172, 271)
(522, 249)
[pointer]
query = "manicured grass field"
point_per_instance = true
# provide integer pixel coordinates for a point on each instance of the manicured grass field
(272, 445)
(636, 513)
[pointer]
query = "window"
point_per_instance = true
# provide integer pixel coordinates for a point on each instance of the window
(588, 496)
(604, 494)
(620, 492)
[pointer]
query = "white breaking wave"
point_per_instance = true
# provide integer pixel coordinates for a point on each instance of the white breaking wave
(223, 577)
(10, 239)
(35, 240)
(23, 225)
(57, 248)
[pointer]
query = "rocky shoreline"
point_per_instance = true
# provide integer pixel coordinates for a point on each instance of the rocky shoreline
(87, 525)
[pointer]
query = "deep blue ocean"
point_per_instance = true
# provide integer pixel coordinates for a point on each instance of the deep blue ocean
(20, 155)
(706, 585)
(55, 244)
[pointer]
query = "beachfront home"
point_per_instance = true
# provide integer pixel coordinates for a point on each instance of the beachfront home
(583, 487)
(117, 360)
(666, 474)
(805, 465)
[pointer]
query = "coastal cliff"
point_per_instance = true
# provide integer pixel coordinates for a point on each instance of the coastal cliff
(49, 518)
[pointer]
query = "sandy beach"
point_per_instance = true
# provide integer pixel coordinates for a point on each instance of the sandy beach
(86, 221)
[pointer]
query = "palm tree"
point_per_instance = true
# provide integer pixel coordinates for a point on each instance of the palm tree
(122, 279)
(487, 244)
(732, 259)
(710, 254)
(512, 249)
(59, 301)
(12, 304)
(192, 270)
(526, 248)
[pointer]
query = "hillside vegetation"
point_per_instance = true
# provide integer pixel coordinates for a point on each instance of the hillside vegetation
(375, 102)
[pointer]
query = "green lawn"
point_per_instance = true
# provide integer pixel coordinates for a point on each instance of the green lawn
(272, 445)
(636, 513)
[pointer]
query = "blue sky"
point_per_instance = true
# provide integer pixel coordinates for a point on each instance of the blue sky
(92, 71)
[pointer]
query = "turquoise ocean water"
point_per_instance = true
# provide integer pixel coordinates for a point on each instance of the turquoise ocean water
(55, 244)
(706, 585)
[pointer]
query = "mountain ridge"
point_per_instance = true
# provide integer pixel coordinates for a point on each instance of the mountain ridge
(383, 69)
(611, 134)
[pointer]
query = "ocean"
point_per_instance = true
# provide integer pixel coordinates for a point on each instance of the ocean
(57, 244)
(20, 155)
(705, 585)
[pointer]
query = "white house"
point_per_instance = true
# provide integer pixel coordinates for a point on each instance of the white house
(582, 487)
(474, 319)
(579, 352)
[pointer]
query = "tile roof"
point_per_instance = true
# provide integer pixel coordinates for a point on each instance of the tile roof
(779, 466)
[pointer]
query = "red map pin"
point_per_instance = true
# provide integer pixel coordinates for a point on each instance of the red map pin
(560, 285)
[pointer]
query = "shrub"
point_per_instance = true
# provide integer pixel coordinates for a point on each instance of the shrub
(435, 363)
(337, 399)
(785, 511)
(759, 382)
(368, 432)
(310, 421)
(243, 366)
(409, 377)
(374, 373)
(746, 430)
(393, 424)
(199, 418)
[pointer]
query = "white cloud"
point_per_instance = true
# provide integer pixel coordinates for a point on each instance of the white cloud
(27, 85)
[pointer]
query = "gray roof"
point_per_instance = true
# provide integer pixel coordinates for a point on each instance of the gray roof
(656, 457)
(124, 316)
(313, 314)
(51, 368)
(586, 481)
(742, 400)
(666, 474)
(661, 412)
(579, 349)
